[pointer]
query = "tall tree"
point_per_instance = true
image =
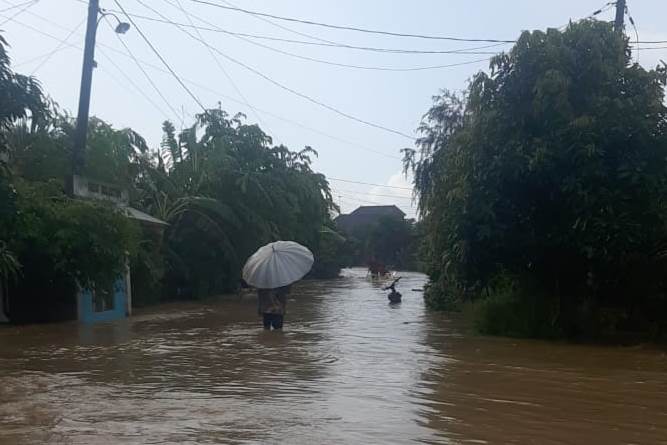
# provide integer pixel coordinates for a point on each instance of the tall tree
(551, 169)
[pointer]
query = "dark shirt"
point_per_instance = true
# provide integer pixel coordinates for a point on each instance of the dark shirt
(272, 301)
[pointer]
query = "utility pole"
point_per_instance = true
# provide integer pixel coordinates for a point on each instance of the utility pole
(79, 147)
(620, 15)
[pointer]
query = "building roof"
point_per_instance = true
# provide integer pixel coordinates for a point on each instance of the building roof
(133, 213)
(366, 216)
(389, 210)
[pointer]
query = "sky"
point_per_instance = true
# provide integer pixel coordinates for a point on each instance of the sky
(363, 159)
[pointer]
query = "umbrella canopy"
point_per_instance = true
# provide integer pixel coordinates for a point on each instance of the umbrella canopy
(277, 264)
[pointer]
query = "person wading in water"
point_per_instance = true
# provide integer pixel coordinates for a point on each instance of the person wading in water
(271, 305)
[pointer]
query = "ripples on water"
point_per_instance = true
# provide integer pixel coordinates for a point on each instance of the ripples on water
(349, 368)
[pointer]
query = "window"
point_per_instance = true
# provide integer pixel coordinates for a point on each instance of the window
(111, 192)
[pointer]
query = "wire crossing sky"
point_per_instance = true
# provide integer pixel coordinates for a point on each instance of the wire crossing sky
(335, 75)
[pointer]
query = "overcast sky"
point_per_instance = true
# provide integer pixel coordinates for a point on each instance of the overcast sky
(348, 150)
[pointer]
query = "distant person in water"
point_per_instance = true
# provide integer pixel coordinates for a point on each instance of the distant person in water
(271, 305)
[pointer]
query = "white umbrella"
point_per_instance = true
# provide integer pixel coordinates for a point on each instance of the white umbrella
(277, 264)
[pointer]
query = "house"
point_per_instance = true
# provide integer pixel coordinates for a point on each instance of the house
(58, 299)
(96, 305)
(365, 217)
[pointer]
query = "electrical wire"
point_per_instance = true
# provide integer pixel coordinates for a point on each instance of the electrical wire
(326, 62)
(368, 183)
(131, 82)
(354, 200)
(217, 29)
(644, 48)
(205, 88)
(295, 92)
(632, 22)
(217, 62)
(67, 45)
(27, 6)
(285, 28)
(348, 28)
(60, 46)
(43, 55)
(157, 53)
(146, 75)
(371, 194)
(17, 6)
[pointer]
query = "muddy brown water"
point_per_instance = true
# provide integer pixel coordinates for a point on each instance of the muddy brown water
(348, 369)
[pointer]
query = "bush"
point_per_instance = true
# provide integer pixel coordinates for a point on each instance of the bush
(84, 242)
(511, 311)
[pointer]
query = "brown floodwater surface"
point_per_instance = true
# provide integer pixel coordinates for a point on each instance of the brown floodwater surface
(348, 369)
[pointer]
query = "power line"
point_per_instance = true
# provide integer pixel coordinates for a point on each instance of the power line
(285, 28)
(131, 82)
(18, 6)
(43, 55)
(27, 6)
(217, 61)
(60, 46)
(297, 93)
(644, 48)
(369, 183)
(66, 45)
(349, 28)
(312, 59)
(217, 29)
(632, 22)
(372, 194)
(157, 53)
(204, 87)
(146, 75)
(356, 201)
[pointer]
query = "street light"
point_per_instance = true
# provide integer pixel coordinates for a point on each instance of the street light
(121, 27)
(95, 14)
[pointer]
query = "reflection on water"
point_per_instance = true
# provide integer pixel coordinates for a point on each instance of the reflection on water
(349, 368)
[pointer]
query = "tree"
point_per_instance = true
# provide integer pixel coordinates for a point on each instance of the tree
(20, 97)
(388, 241)
(550, 170)
(225, 190)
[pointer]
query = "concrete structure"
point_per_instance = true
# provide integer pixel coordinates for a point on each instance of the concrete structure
(98, 305)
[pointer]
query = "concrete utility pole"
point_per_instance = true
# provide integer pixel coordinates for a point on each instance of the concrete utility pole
(79, 147)
(620, 15)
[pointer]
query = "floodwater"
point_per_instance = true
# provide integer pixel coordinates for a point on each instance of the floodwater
(348, 369)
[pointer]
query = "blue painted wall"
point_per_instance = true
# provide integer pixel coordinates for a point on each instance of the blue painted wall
(86, 308)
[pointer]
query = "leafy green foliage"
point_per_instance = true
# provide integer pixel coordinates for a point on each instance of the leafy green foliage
(221, 185)
(226, 191)
(20, 96)
(10, 267)
(87, 242)
(389, 241)
(551, 168)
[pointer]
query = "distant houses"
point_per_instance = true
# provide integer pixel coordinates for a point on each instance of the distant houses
(376, 235)
(365, 217)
